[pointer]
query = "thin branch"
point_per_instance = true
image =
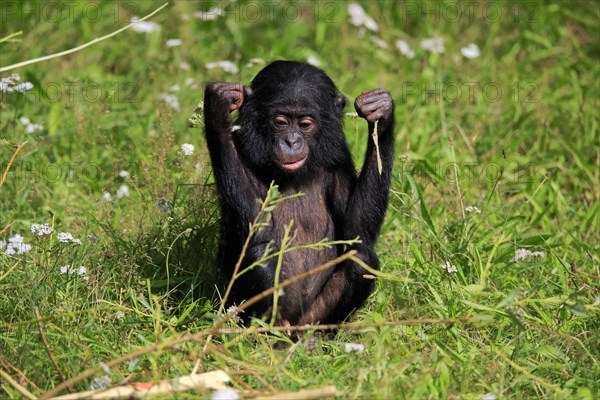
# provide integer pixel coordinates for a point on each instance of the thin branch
(10, 162)
(83, 46)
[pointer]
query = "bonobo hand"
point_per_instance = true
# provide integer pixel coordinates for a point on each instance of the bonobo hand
(224, 96)
(375, 105)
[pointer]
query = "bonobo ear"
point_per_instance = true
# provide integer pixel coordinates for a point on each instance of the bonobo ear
(340, 102)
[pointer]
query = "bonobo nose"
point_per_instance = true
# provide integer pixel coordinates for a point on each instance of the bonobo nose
(293, 141)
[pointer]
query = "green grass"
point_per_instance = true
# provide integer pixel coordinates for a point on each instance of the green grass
(513, 132)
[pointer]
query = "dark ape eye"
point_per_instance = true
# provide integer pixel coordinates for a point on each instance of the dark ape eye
(280, 121)
(305, 124)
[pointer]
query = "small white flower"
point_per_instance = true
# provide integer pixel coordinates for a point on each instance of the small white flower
(354, 347)
(173, 42)
(82, 272)
(211, 15)
(65, 269)
(225, 394)
(471, 51)
(379, 42)
(66, 237)
(21, 248)
(106, 196)
(119, 315)
(184, 66)
(226, 66)
(312, 60)
(123, 173)
(16, 239)
(9, 84)
(144, 26)
(434, 45)
(175, 88)
(449, 267)
(474, 209)
(100, 383)
(29, 126)
(405, 49)
(41, 229)
(358, 17)
(171, 100)
(190, 82)
(488, 396)
(15, 245)
(123, 191)
(523, 254)
(187, 149)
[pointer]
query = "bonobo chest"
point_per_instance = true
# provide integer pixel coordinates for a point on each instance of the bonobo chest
(309, 214)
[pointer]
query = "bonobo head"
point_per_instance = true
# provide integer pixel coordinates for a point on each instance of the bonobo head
(291, 119)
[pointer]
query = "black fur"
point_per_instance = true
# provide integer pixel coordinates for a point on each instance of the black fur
(337, 203)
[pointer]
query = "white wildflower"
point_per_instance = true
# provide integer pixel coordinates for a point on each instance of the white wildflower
(23, 87)
(119, 315)
(9, 84)
(312, 60)
(123, 173)
(41, 229)
(106, 196)
(523, 254)
(449, 267)
(225, 394)
(488, 396)
(100, 383)
(471, 51)
(175, 88)
(474, 209)
(16, 239)
(257, 60)
(184, 66)
(190, 82)
(69, 270)
(82, 272)
(66, 237)
(405, 49)
(211, 15)
(15, 245)
(144, 26)
(123, 191)
(354, 347)
(173, 42)
(29, 126)
(434, 45)
(187, 149)
(226, 66)
(358, 17)
(21, 248)
(379, 42)
(171, 100)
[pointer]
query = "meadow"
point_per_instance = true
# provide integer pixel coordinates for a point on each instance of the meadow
(490, 270)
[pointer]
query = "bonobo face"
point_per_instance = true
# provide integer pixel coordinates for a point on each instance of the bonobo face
(293, 129)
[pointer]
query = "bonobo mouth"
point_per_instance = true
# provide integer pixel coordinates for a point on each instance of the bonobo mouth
(292, 166)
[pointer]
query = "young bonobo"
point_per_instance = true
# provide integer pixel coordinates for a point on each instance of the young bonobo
(290, 132)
